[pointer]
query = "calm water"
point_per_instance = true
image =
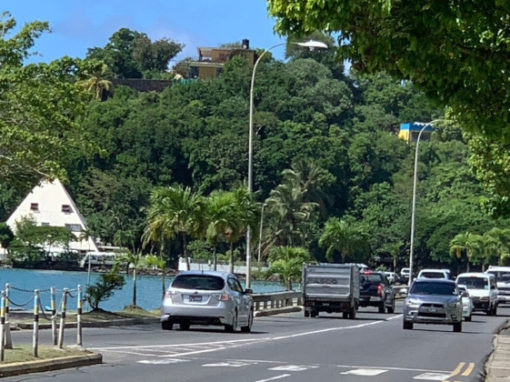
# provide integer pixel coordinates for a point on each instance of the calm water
(148, 288)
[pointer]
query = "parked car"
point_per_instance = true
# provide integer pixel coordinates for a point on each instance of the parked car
(467, 303)
(391, 276)
(435, 274)
(375, 290)
(503, 282)
(482, 289)
(433, 301)
(404, 275)
(207, 298)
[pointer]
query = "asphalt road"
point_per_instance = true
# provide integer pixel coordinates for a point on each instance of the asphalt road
(289, 347)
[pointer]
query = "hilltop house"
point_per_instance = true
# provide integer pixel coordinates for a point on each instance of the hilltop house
(50, 204)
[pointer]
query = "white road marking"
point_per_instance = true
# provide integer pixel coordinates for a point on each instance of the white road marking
(273, 378)
(162, 361)
(433, 376)
(293, 368)
(365, 372)
(227, 364)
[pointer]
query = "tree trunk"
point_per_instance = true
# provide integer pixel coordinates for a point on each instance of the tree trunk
(231, 257)
(215, 262)
(185, 250)
(289, 283)
(163, 282)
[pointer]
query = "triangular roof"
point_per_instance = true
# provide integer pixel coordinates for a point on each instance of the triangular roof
(49, 203)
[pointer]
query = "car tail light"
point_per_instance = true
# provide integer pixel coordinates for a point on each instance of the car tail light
(379, 289)
(168, 295)
(224, 297)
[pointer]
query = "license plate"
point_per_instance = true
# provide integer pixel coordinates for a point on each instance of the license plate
(325, 304)
(195, 298)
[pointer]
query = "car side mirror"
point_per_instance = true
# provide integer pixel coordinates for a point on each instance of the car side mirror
(248, 291)
(464, 294)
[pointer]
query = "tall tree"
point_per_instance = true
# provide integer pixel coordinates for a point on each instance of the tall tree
(288, 263)
(349, 239)
(402, 38)
(175, 211)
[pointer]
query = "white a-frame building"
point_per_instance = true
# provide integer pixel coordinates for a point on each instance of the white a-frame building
(50, 204)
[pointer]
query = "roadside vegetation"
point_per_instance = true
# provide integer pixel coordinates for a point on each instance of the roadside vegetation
(164, 173)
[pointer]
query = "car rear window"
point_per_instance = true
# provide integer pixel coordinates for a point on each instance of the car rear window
(371, 277)
(501, 276)
(473, 282)
(434, 288)
(204, 282)
(433, 275)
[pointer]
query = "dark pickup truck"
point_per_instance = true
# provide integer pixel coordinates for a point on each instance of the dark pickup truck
(375, 290)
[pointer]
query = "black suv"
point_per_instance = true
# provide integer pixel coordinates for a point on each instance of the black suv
(375, 290)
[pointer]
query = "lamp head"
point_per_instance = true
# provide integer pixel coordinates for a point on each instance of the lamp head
(313, 44)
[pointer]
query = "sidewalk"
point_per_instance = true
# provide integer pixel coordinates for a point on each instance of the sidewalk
(497, 367)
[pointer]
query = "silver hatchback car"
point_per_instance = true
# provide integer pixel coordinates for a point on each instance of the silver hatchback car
(207, 298)
(433, 301)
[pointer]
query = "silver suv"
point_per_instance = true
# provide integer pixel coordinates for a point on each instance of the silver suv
(207, 298)
(433, 301)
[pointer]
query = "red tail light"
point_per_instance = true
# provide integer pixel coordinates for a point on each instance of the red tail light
(379, 289)
(224, 297)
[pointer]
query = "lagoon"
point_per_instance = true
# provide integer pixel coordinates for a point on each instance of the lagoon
(148, 288)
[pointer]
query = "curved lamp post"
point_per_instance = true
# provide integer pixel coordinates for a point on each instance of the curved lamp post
(311, 44)
(413, 207)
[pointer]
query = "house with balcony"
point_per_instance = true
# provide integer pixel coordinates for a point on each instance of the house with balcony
(211, 60)
(409, 131)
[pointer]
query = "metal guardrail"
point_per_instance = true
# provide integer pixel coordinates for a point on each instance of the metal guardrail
(276, 300)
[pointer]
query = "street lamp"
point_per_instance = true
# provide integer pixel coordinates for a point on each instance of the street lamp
(413, 207)
(311, 44)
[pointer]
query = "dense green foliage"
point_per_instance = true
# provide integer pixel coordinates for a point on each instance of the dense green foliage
(456, 52)
(330, 173)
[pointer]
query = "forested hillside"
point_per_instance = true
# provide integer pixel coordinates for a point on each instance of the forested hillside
(330, 172)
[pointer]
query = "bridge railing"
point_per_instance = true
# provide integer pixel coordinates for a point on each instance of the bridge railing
(276, 300)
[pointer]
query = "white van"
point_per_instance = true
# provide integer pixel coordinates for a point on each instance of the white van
(482, 289)
(434, 274)
(503, 280)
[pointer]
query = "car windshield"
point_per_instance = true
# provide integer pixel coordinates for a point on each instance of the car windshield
(204, 282)
(434, 288)
(473, 282)
(433, 275)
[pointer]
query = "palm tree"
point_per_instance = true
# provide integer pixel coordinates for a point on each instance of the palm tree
(219, 213)
(136, 261)
(160, 263)
(96, 83)
(346, 238)
(288, 263)
(287, 210)
(498, 245)
(467, 243)
(174, 211)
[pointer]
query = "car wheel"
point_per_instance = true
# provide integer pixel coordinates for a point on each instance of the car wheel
(314, 313)
(345, 314)
(307, 313)
(352, 313)
(247, 329)
(381, 307)
(232, 328)
(468, 318)
(184, 325)
(165, 325)
(457, 327)
(391, 309)
(408, 325)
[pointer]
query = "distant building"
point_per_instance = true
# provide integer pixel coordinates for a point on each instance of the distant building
(211, 60)
(50, 204)
(409, 131)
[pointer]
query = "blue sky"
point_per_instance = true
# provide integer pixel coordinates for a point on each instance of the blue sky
(79, 25)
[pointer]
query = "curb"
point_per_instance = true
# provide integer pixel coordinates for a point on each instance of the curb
(497, 368)
(51, 364)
